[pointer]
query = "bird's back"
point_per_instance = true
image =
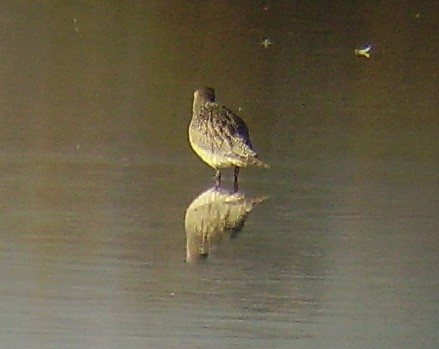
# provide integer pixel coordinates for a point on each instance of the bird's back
(217, 130)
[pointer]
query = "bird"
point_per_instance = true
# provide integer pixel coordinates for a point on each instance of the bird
(220, 137)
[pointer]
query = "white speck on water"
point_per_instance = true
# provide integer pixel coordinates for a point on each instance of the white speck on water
(75, 21)
(267, 42)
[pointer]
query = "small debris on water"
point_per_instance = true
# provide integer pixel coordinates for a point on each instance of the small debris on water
(75, 22)
(267, 42)
(363, 51)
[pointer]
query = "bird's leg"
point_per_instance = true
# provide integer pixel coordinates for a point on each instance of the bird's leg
(235, 179)
(218, 177)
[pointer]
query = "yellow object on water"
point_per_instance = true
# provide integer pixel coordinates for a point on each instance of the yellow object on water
(363, 51)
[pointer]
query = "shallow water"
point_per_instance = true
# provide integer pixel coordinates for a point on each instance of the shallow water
(101, 195)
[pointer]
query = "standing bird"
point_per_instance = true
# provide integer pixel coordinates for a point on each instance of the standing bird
(219, 136)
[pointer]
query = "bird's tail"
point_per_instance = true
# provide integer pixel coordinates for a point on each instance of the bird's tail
(256, 162)
(260, 199)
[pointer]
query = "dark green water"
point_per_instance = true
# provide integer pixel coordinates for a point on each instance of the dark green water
(96, 176)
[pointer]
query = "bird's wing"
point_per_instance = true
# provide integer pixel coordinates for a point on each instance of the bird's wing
(230, 128)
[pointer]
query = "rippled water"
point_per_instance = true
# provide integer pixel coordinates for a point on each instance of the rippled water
(111, 232)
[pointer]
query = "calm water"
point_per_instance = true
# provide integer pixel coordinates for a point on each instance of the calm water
(111, 233)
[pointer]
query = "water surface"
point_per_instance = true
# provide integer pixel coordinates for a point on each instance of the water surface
(97, 178)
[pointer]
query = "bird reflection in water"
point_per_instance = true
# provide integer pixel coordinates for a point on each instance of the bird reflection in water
(215, 215)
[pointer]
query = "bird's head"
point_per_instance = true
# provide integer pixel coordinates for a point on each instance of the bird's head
(205, 94)
(202, 96)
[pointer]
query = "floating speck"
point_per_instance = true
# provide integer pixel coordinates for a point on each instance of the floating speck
(75, 22)
(363, 51)
(267, 42)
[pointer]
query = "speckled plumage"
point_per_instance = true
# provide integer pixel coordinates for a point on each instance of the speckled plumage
(219, 136)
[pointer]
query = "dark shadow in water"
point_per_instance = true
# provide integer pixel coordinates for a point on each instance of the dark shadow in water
(215, 215)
